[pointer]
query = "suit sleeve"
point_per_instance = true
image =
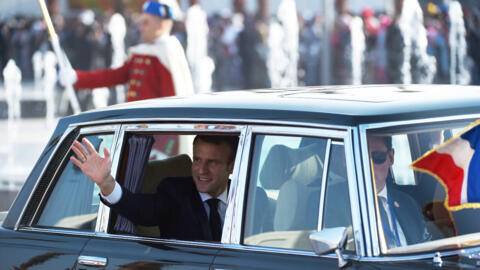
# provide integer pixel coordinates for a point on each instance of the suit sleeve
(103, 77)
(142, 209)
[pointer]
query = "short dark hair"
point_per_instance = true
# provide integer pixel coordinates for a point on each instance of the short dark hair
(230, 140)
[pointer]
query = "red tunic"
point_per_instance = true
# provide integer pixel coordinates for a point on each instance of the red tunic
(152, 70)
(145, 75)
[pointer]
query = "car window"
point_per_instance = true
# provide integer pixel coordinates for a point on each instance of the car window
(401, 169)
(284, 191)
(74, 201)
(411, 204)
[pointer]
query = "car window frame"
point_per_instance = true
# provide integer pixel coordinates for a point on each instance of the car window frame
(198, 127)
(81, 131)
(375, 249)
(236, 214)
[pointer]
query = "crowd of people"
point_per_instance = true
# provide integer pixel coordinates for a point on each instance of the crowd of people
(238, 44)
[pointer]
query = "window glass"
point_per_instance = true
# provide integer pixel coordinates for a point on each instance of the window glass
(401, 169)
(411, 203)
(74, 201)
(337, 201)
(284, 191)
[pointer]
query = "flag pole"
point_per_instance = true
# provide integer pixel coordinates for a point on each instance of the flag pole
(62, 58)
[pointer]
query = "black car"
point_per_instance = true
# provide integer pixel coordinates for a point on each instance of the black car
(302, 192)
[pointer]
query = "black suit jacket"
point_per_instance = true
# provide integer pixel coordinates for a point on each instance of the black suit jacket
(409, 216)
(176, 208)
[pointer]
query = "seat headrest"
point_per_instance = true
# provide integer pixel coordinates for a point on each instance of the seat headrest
(176, 166)
(283, 163)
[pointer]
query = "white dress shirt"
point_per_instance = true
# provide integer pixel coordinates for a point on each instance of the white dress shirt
(401, 235)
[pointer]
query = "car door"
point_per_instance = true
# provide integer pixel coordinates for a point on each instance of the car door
(60, 215)
(295, 183)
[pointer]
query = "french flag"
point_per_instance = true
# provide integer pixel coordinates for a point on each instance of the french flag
(456, 164)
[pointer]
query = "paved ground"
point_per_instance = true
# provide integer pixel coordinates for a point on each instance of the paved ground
(21, 143)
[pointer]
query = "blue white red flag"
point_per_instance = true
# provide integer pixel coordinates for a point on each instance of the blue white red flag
(456, 164)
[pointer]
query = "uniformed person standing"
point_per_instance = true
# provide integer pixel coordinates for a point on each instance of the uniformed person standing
(155, 68)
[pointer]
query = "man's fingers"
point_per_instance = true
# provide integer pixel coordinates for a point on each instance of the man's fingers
(81, 148)
(89, 145)
(106, 153)
(76, 161)
(77, 152)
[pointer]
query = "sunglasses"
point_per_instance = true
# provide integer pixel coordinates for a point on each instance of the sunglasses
(379, 157)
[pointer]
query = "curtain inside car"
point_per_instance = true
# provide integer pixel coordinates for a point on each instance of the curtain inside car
(140, 147)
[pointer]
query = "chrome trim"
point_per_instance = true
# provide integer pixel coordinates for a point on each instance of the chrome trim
(118, 146)
(353, 194)
(296, 131)
(369, 191)
(103, 210)
(273, 250)
(196, 127)
(326, 164)
(68, 232)
(237, 193)
(91, 260)
(362, 200)
(233, 231)
(98, 129)
(158, 240)
(423, 256)
(213, 120)
(68, 130)
(364, 127)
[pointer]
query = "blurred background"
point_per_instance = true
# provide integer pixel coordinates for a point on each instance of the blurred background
(237, 44)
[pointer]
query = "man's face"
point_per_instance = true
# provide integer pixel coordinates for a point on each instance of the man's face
(378, 153)
(210, 168)
(152, 27)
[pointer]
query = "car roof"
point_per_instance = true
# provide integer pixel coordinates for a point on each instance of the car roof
(337, 105)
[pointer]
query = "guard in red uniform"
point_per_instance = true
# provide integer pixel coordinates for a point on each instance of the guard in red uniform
(155, 68)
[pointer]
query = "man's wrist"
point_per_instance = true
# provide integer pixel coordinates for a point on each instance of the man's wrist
(107, 186)
(115, 195)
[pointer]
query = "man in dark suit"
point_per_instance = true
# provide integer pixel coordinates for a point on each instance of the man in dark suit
(401, 217)
(185, 208)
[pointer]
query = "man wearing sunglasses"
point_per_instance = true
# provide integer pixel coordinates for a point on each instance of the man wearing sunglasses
(402, 221)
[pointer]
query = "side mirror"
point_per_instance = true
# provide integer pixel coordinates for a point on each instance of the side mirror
(328, 240)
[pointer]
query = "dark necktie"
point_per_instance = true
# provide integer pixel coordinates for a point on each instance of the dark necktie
(215, 222)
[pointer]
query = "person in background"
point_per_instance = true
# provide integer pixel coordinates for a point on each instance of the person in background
(155, 68)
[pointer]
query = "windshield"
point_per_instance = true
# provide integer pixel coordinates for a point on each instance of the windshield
(410, 204)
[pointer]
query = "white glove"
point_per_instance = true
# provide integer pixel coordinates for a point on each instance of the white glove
(67, 76)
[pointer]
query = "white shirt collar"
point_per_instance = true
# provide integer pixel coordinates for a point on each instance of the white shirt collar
(384, 192)
(222, 197)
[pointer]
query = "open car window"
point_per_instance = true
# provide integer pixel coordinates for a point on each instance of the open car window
(411, 209)
(147, 158)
